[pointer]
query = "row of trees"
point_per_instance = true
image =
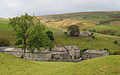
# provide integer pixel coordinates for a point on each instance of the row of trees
(31, 33)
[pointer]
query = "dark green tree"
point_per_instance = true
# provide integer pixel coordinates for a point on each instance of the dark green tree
(73, 30)
(50, 35)
(31, 33)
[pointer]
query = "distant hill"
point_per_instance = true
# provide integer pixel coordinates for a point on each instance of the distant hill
(78, 13)
(82, 19)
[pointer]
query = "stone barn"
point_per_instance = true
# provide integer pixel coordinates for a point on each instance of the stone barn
(89, 54)
(65, 52)
(86, 34)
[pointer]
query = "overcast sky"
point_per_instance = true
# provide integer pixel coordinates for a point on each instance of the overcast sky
(12, 8)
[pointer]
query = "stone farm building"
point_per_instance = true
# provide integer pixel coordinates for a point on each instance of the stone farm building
(63, 53)
(86, 34)
(94, 53)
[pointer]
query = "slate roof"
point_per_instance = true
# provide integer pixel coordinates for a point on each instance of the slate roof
(65, 48)
(95, 51)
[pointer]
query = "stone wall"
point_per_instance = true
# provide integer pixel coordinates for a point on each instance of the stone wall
(15, 53)
(38, 56)
(12, 51)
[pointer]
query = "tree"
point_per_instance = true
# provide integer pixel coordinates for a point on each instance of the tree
(73, 30)
(50, 35)
(31, 33)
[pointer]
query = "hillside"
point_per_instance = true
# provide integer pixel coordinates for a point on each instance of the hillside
(6, 31)
(101, 41)
(85, 20)
(11, 65)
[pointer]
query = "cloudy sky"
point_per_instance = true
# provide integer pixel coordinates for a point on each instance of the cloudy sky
(12, 8)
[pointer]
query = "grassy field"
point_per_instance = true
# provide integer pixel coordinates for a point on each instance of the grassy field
(6, 31)
(100, 42)
(4, 24)
(106, 29)
(11, 65)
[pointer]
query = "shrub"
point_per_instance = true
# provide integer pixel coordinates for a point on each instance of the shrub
(105, 49)
(65, 33)
(50, 35)
(108, 31)
(116, 53)
(94, 30)
(82, 51)
(4, 42)
(93, 37)
(19, 42)
(115, 42)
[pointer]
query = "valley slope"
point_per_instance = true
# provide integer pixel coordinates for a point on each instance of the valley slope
(10, 65)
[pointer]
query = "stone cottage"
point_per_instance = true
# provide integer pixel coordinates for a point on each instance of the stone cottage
(94, 53)
(65, 52)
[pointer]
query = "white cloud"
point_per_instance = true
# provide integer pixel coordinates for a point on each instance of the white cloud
(10, 8)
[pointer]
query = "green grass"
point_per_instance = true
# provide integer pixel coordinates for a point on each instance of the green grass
(6, 31)
(106, 29)
(10, 65)
(103, 27)
(4, 24)
(86, 42)
(101, 41)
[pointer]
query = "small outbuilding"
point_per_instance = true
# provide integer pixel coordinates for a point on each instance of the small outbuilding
(89, 54)
(65, 52)
(86, 34)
